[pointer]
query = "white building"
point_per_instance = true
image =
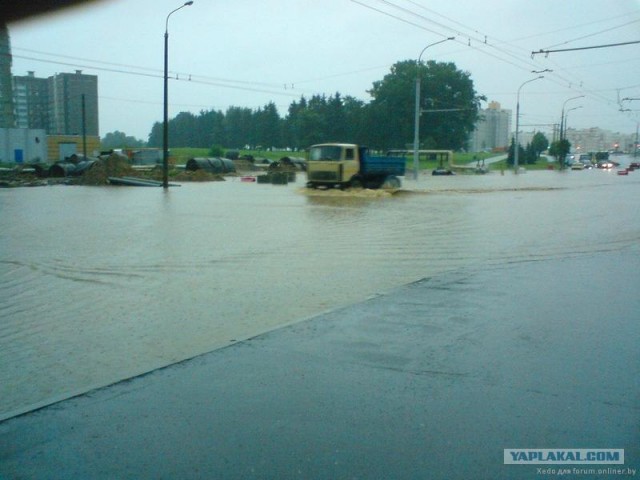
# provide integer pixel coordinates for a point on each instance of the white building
(22, 145)
(493, 130)
(598, 140)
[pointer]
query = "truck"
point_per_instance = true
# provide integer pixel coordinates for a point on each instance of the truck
(344, 165)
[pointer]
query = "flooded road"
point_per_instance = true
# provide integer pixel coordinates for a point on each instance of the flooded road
(101, 284)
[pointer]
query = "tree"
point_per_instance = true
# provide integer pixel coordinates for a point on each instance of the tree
(511, 154)
(450, 103)
(183, 132)
(306, 122)
(560, 149)
(353, 111)
(210, 128)
(530, 155)
(239, 127)
(268, 129)
(335, 118)
(443, 87)
(216, 151)
(156, 135)
(539, 144)
(119, 139)
(291, 124)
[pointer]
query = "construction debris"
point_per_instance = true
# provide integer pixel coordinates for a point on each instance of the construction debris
(77, 170)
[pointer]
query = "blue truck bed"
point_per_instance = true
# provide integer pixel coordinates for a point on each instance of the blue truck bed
(371, 165)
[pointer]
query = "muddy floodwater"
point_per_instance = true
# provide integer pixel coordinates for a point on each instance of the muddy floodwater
(99, 284)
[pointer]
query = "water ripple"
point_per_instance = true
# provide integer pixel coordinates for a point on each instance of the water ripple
(192, 275)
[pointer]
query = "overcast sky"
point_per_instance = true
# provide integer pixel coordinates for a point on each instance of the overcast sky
(249, 52)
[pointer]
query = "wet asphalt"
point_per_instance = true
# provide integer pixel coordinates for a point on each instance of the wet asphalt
(432, 380)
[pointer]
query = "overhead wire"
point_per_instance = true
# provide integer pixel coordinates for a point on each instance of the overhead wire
(135, 68)
(574, 26)
(484, 41)
(591, 34)
(481, 42)
(246, 86)
(153, 73)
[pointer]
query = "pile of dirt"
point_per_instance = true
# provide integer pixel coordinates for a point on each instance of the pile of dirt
(244, 165)
(182, 176)
(18, 179)
(285, 164)
(197, 176)
(113, 165)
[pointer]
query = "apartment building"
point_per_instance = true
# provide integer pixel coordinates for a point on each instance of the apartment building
(31, 101)
(67, 94)
(7, 119)
(493, 130)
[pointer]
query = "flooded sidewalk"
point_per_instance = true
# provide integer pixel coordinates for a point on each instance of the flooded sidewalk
(431, 380)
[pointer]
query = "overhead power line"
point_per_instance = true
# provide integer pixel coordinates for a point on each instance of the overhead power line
(502, 51)
(482, 43)
(576, 26)
(422, 27)
(594, 34)
(547, 52)
(185, 77)
(134, 69)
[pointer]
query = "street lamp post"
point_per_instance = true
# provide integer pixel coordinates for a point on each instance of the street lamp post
(566, 115)
(561, 156)
(562, 126)
(416, 125)
(165, 124)
(516, 149)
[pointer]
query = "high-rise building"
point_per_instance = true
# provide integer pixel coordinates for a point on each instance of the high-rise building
(31, 101)
(66, 94)
(493, 130)
(7, 119)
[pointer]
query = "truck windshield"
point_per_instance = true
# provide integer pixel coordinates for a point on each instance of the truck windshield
(325, 153)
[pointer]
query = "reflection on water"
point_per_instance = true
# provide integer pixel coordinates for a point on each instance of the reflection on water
(100, 284)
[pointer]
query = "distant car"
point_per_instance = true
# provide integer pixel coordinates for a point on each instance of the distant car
(577, 166)
(634, 166)
(605, 164)
(585, 158)
(442, 171)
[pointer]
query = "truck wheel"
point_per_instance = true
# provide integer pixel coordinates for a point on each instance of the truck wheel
(391, 182)
(355, 183)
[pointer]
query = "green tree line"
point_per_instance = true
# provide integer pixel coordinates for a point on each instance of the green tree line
(450, 109)
(529, 154)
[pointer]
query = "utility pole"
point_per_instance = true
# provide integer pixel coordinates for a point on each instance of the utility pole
(416, 120)
(165, 121)
(516, 152)
(562, 127)
(84, 129)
